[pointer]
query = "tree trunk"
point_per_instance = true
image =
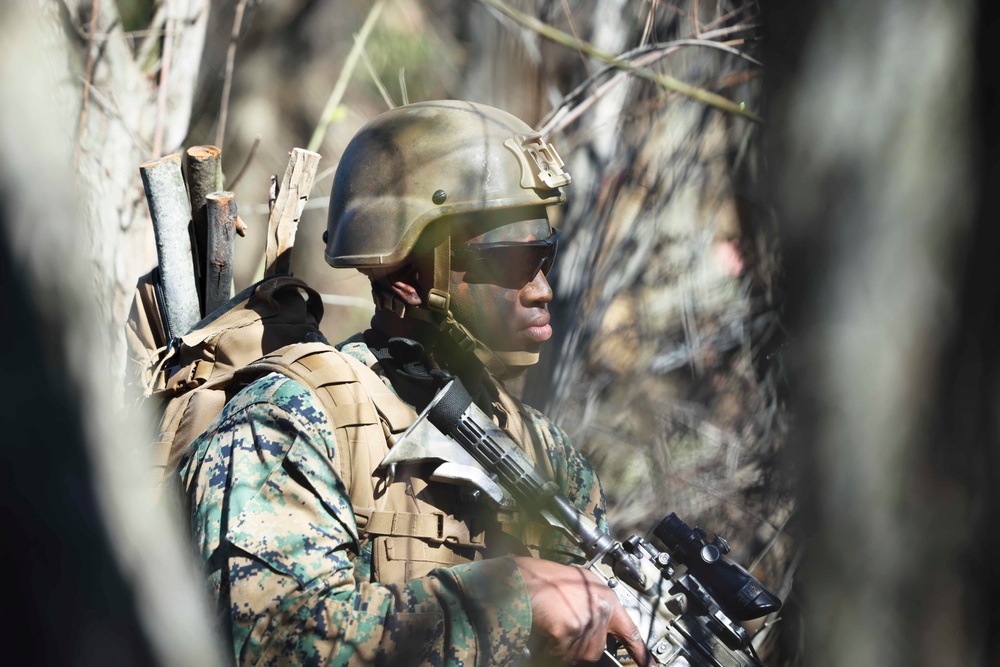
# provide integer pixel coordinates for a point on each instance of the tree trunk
(98, 573)
(892, 307)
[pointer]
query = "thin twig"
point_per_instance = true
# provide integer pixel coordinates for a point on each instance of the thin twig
(371, 71)
(650, 21)
(158, 25)
(576, 33)
(86, 87)
(162, 93)
(695, 20)
(770, 543)
(326, 173)
(107, 102)
(227, 83)
(560, 117)
(337, 94)
(725, 17)
(664, 81)
(722, 32)
(722, 46)
(128, 34)
(402, 86)
(246, 163)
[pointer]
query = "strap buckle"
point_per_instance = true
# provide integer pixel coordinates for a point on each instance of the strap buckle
(387, 301)
(438, 300)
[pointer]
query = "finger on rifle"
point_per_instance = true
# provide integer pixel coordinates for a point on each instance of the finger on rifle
(625, 631)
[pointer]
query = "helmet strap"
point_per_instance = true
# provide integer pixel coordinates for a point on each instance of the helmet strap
(519, 358)
(438, 297)
(437, 312)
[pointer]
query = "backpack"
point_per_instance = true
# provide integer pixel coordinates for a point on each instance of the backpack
(273, 326)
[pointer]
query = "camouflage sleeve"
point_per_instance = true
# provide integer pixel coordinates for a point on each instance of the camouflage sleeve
(275, 527)
(576, 478)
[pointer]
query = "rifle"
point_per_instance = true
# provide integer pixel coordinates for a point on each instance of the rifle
(686, 599)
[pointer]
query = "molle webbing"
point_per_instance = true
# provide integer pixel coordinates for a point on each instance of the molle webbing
(364, 413)
(434, 527)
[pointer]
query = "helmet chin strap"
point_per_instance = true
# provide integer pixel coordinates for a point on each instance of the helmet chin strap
(517, 358)
(437, 312)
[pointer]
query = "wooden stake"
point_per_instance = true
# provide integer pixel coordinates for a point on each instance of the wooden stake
(222, 230)
(284, 219)
(170, 211)
(204, 176)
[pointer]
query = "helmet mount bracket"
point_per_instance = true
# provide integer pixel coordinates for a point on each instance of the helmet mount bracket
(541, 166)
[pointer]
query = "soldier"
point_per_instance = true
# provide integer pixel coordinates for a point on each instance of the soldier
(319, 555)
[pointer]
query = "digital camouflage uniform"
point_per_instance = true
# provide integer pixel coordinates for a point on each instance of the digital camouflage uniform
(294, 579)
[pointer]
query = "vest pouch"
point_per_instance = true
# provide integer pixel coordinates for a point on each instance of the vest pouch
(409, 545)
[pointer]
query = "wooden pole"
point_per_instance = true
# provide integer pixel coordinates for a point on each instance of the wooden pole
(284, 219)
(222, 230)
(204, 176)
(170, 211)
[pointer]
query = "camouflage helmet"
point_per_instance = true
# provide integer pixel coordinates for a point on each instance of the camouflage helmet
(422, 162)
(428, 162)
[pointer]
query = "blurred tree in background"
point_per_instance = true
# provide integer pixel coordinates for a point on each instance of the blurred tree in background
(671, 291)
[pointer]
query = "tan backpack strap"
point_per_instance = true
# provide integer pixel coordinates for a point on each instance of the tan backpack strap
(324, 371)
(269, 304)
(349, 394)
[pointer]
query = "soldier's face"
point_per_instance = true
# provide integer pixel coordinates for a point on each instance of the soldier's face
(498, 285)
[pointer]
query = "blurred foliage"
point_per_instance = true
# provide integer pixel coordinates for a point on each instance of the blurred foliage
(428, 62)
(135, 14)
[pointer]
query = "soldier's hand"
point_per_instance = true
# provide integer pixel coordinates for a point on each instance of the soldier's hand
(573, 611)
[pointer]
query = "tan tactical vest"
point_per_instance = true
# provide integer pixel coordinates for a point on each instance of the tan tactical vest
(411, 525)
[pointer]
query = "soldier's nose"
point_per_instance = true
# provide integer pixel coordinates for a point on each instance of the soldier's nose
(538, 291)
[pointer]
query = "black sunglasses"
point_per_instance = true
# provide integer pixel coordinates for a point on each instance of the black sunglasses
(506, 264)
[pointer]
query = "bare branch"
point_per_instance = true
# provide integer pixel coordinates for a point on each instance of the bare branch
(337, 94)
(287, 209)
(164, 89)
(246, 163)
(664, 81)
(94, 7)
(560, 117)
(374, 75)
(227, 83)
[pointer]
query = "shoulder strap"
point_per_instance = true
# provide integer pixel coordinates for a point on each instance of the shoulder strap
(366, 416)
(351, 413)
